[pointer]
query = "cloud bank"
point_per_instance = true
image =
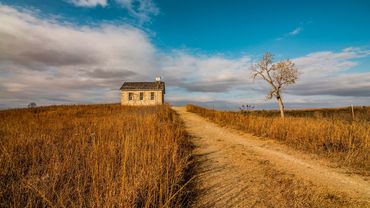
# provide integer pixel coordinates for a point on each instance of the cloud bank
(326, 73)
(51, 62)
(44, 61)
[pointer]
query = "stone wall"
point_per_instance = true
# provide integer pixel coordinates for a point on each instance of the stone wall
(158, 97)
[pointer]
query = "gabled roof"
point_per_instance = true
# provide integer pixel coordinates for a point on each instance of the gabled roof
(143, 86)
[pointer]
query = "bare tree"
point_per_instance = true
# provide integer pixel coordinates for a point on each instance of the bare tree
(278, 75)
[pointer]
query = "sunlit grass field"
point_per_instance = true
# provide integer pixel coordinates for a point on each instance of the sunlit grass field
(331, 133)
(93, 156)
(360, 113)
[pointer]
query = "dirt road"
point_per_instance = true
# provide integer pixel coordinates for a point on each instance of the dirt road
(234, 169)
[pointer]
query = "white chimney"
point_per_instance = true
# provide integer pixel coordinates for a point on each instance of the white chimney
(158, 79)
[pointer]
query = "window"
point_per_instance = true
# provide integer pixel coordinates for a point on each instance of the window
(152, 95)
(141, 96)
(130, 96)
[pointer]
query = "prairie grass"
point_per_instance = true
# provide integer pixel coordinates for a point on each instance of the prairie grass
(347, 143)
(361, 113)
(93, 156)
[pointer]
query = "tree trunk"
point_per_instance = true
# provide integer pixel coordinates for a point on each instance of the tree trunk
(281, 106)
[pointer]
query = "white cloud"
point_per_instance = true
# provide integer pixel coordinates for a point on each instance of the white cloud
(292, 33)
(329, 62)
(39, 44)
(296, 31)
(344, 85)
(142, 10)
(89, 3)
(325, 73)
(202, 73)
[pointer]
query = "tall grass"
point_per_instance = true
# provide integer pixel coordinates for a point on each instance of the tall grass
(92, 156)
(361, 113)
(348, 143)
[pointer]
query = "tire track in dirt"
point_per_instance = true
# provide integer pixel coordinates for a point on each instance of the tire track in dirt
(234, 169)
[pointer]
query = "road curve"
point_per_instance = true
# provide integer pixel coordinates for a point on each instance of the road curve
(236, 169)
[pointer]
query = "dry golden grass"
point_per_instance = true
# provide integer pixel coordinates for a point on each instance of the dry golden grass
(347, 143)
(92, 156)
(361, 113)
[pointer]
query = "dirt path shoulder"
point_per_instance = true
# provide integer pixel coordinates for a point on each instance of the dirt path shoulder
(235, 169)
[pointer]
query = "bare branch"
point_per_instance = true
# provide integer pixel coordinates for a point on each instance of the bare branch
(263, 68)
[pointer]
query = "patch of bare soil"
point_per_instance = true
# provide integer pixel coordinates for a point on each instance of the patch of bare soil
(235, 169)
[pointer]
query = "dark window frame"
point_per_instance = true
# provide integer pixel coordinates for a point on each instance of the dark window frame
(152, 95)
(141, 95)
(130, 96)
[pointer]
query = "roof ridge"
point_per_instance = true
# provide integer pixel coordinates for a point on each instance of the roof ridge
(156, 85)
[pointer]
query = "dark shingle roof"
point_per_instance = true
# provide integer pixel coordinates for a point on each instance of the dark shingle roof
(143, 86)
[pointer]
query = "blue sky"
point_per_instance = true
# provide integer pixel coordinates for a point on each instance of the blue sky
(80, 51)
